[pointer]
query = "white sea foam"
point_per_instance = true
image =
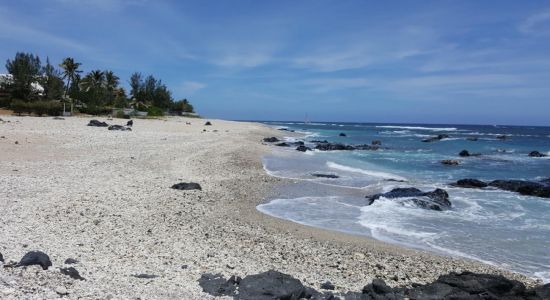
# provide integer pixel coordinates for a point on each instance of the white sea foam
(420, 128)
(384, 175)
(545, 276)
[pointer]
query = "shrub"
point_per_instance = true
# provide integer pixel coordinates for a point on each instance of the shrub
(155, 112)
(19, 106)
(96, 110)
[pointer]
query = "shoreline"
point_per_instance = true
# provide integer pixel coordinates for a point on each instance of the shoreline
(104, 199)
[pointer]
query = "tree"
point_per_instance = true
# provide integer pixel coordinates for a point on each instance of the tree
(182, 106)
(71, 73)
(111, 83)
(94, 85)
(51, 82)
(70, 70)
(136, 83)
(25, 70)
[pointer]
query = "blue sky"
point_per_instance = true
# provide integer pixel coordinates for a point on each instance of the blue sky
(484, 62)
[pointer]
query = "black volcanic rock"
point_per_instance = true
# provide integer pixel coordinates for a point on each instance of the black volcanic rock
(450, 162)
(472, 139)
(207, 123)
(303, 148)
(185, 186)
(35, 258)
(470, 183)
(376, 143)
(71, 272)
(464, 153)
(327, 285)
(502, 137)
(333, 146)
(529, 188)
(216, 285)
(271, 139)
(536, 154)
(1, 257)
(145, 276)
(342, 134)
(271, 285)
(434, 200)
(460, 286)
(283, 144)
(70, 261)
(321, 175)
(130, 123)
(439, 137)
(119, 127)
(97, 123)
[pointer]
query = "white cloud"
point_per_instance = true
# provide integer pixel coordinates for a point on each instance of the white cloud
(537, 24)
(190, 87)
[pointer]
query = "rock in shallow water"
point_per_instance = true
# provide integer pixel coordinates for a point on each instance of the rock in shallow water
(271, 139)
(470, 183)
(450, 162)
(185, 186)
(332, 176)
(35, 258)
(437, 199)
(303, 148)
(536, 154)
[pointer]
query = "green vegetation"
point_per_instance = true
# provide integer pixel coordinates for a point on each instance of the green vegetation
(31, 88)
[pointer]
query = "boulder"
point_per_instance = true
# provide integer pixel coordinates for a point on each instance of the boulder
(437, 199)
(35, 258)
(325, 175)
(439, 137)
(71, 272)
(271, 285)
(97, 123)
(333, 146)
(376, 143)
(119, 127)
(450, 162)
(70, 261)
(470, 183)
(366, 147)
(207, 123)
(327, 285)
(317, 141)
(469, 285)
(464, 153)
(529, 188)
(283, 144)
(303, 148)
(342, 134)
(536, 154)
(271, 139)
(472, 139)
(502, 137)
(185, 186)
(130, 123)
(216, 285)
(1, 257)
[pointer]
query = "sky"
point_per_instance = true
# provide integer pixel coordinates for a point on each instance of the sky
(442, 62)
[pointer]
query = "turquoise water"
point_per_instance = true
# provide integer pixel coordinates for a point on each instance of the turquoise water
(498, 227)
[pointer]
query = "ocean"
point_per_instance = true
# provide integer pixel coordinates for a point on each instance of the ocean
(497, 227)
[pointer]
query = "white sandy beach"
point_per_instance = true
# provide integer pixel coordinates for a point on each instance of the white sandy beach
(104, 198)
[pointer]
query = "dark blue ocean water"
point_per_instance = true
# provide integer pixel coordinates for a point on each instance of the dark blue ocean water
(498, 227)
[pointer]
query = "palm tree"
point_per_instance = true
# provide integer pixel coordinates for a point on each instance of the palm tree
(95, 83)
(111, 83)
(70, 72)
